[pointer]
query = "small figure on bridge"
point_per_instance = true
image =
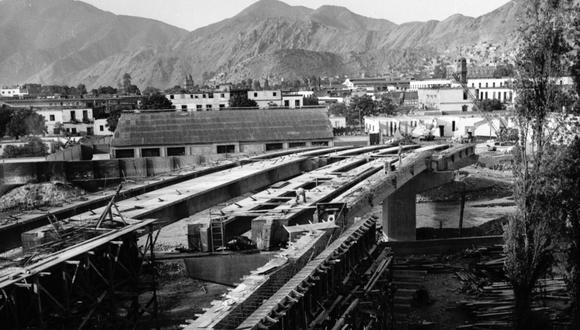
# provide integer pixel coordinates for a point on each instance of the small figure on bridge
(400, 153)
(300, 192)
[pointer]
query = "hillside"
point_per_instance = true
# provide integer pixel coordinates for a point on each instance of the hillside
(60, 41)
(65, 41)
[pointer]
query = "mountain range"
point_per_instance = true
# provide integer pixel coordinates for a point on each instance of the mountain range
(71, 42)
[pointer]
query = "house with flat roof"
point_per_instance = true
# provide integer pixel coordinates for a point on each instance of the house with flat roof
(176, 133)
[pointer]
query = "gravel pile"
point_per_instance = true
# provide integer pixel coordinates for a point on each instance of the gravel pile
(33, 196)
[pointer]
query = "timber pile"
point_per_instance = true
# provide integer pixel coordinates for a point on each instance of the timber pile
(493, 308)
(493, 302)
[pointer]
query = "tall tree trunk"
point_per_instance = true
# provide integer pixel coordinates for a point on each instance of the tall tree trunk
(522, 309)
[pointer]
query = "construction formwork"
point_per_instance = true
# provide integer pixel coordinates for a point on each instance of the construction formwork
(106, 281)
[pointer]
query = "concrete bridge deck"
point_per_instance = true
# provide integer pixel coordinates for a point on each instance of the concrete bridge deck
(438, 161)
(85, 207)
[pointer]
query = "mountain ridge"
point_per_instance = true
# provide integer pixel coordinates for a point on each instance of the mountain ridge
(71, 42)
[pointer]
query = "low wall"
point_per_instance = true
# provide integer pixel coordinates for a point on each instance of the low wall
(91, 174)
(226, 269)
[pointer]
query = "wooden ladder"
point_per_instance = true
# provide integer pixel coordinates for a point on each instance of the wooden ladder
(217, 234)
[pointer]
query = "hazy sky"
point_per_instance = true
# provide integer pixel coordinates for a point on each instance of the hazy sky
(192, 14)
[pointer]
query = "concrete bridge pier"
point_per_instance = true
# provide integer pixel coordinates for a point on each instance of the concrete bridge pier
(399, 208)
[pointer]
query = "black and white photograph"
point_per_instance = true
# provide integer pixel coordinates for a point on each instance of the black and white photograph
(290, 164)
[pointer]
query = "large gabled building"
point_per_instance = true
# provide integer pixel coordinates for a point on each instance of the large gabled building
(171, 133)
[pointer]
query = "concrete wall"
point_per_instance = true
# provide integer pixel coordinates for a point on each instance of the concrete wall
(98, 171)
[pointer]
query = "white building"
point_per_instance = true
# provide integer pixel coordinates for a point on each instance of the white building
(100, 127)
(13, 91)
(266, 99)
(71, 121)
(433, 83)
(337, 121)
(446, 126)
(445, 99)
(292, 101)
(203, 101)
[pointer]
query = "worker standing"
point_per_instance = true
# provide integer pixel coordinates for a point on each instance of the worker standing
(400, 154)
(300, 192)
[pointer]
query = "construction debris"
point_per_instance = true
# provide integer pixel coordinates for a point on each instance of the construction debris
(33, 196)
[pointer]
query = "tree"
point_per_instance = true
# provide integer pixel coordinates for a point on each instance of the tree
(25, 122)
(148, 91)
(81, 89)
(176, 90)
(266, 84)
(104, 90)
(385, 105)
(257, 85)
(503, 70)
(156, 101)
(337, 109)
(126, 82)
(440, 71)
(358, 108)
(5, 114)
(240, 100)
(33, 148)
(311, 100)
(491, 105)
(530, 233)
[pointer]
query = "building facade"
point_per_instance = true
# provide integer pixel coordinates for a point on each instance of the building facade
(176, 133)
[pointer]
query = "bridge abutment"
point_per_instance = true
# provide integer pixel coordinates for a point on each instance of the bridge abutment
(399, 208)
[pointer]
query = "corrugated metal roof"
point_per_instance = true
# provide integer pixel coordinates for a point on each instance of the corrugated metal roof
(206, 127)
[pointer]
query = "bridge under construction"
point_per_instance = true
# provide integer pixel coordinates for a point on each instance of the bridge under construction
(332, 270)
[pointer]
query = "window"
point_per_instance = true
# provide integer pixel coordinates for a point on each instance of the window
(176, 151)
(203, 96)
(150, 152)
(51, 118)
(453, 126)
(464, 95)
(208, 107)
(320, 143)
(198, 106)
(171, 97)
(274, 94)
(222, 106)
(73, 116)
(493, 85)
(274, 146)
(255, 94)
(222, 95)
(85, 115)
(90, 131)
(486, 85)
(197, 96)
(286, 103)
(479, 85)
(73, 130)
(210, 95)
(297, 103)
(101, 128)
(125, 153)
(226, 149)
(296, 144)
(190, 96)
(183, 107)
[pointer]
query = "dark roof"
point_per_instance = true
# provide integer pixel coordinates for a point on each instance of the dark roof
(206, 127)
